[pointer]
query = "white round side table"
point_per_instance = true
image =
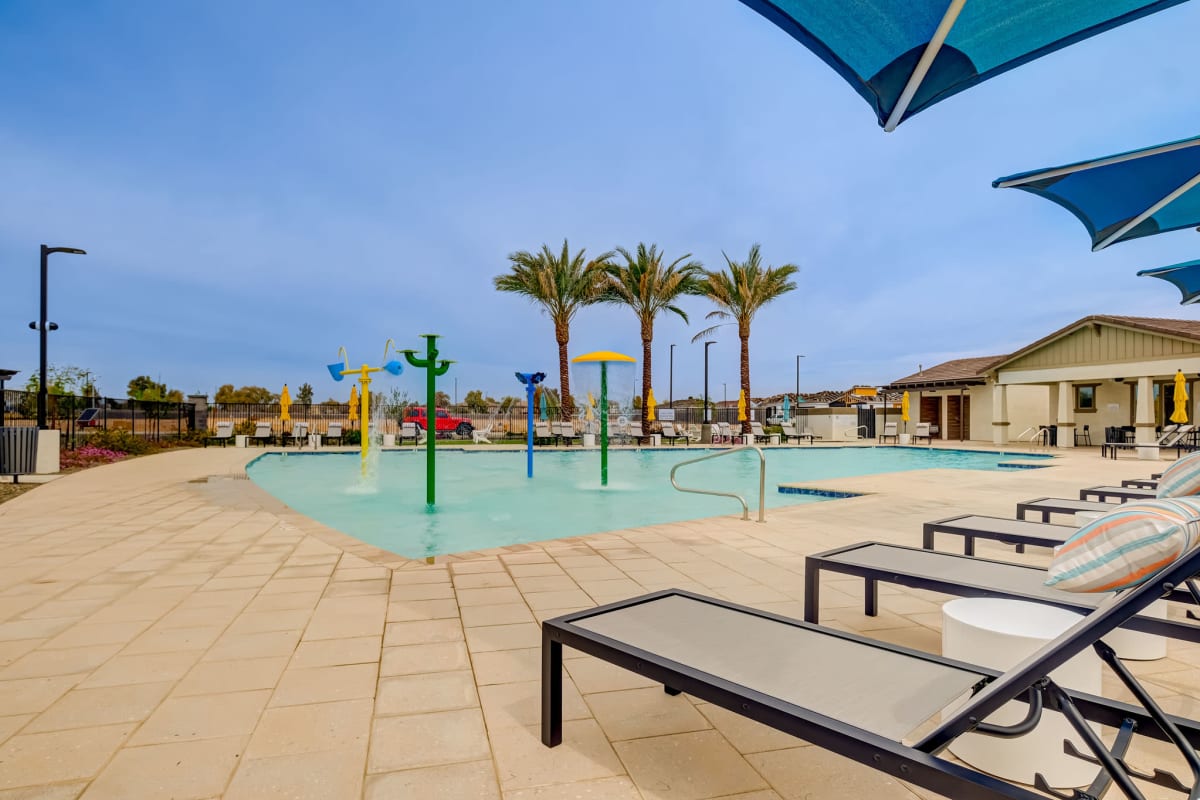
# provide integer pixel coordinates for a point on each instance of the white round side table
(999, 633)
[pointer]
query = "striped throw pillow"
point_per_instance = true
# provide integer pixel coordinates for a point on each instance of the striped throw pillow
(1181, 479)
(1126, 546)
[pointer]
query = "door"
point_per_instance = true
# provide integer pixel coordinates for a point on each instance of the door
(931, 412)
(866, 418)
(958, 418)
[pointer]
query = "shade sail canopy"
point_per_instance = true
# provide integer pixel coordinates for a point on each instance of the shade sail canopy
(1185, 276)
(904, 57)
(1124, 196)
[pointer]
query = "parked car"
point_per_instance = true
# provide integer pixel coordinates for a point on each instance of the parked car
(445, 422)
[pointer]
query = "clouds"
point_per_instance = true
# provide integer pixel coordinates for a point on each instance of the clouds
(258, 185)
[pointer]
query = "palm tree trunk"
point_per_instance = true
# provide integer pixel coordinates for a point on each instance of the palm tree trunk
(745, 337)
(562, 334)
(647, 339)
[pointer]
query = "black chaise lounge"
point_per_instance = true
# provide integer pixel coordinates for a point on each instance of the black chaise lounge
(865, 699)
(1017, 532)
(1140, 483)
(1120, 494)
(964, 576)
(1059, 505)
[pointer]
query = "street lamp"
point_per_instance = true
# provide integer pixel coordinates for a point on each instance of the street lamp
(671, 380)
(706, 346)
(5, 374)
(724, 394)
(42, 326)
(798, 377)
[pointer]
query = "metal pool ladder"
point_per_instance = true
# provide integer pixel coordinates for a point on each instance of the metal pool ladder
(762, 480)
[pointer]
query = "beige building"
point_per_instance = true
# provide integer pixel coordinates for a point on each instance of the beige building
(1098, 373)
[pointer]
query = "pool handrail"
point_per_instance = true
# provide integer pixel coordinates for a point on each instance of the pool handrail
(762, 480)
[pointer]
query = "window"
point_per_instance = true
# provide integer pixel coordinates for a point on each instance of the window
(1085, 398)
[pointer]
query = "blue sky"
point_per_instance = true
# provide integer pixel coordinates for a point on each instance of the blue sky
(259, 183)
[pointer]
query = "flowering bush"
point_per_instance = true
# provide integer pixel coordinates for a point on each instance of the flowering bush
(88, 456)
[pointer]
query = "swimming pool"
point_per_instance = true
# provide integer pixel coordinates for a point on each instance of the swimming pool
(485, 500)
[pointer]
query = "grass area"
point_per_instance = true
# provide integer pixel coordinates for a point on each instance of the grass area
(10, 490)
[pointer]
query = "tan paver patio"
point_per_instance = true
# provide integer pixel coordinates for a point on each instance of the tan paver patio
(162, 636)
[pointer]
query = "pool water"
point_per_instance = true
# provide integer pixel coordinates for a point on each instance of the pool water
(485, 500)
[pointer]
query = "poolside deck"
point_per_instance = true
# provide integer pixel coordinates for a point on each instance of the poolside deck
(167, 633)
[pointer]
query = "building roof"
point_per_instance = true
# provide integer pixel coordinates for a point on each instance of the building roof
(1178, 328)
(959, 372)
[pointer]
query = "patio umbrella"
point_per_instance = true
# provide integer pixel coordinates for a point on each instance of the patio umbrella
(285, 407)
(904, 409)
(353, 405)
(787, 408)
(742, 406)
(651, 404)
(904, 57)
(1180, 413)
(542, 405)
(1124, 196)
(1185, 276)
(587, 411)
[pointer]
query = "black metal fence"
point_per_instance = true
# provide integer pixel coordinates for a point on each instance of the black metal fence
(510, 421)
(76, 417)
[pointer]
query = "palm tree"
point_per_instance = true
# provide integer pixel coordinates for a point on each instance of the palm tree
(649, 287)
(562, 284)
(740, 292)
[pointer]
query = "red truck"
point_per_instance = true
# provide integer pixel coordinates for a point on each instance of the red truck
(445, 422)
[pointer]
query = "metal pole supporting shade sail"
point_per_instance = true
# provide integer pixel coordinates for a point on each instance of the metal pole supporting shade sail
(1185, 276)
(1124, 196)
(904, 57)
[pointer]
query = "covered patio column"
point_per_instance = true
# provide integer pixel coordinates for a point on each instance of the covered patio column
(1066, 414)
(1144, 418)
(999, 414)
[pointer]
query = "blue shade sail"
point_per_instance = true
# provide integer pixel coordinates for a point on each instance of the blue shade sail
(1124, 196)
(878, 46)
(1185, 276)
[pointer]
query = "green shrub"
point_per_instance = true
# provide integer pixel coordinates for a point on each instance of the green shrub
(245, 428)
(119, 441)
(352, 437)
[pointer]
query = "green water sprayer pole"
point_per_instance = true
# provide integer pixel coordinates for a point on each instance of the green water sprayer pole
(433, 369)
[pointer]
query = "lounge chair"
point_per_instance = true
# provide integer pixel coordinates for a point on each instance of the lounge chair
(671, 435)
(1060, 505)
(634, 432)
(566, 432)
(262, 433)
(966, 576)
(1172, 436)
(334, 432)
(757, 433)
(542, 434)
(480, 435)
(692, 434)
(872, 702)
(223, 434)
(889, 432)
(299, 434)
(1017, 532)
(408, 430)
(922, 432)
(1140, 483)
(1121, 494)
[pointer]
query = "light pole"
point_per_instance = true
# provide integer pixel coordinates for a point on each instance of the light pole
(706, 346)
(5, 374)
(724, 394)
(671, 380)
(42, 326)
(798, 378)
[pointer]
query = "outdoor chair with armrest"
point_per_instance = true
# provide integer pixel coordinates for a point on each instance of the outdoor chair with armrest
(333, 432)
(869, 701)
(480, 435)
(408, 430)
(671, 435)
(922, 432)
(223, 434)
(262, 433)
(889, 432)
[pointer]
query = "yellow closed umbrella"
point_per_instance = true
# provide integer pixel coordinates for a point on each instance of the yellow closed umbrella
(285, 405)
(587, 412)
(651, 404)
(742, 406)
(904, 407)
(354, 403)
(1181, 396)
